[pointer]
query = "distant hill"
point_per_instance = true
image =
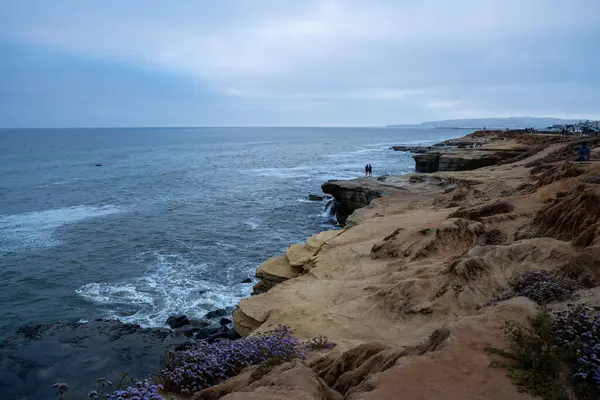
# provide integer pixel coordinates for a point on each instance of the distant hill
(478, 123)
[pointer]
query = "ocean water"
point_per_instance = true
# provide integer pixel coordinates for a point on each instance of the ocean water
(172, 221)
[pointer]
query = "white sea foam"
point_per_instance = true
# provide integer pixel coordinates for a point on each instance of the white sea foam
(64, 182)
(283, 173)
(253, 223)
(35, 230)
(328, 211)
(171, 285)
(354, 154)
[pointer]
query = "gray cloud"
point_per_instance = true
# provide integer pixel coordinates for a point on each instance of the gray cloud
(342, 62)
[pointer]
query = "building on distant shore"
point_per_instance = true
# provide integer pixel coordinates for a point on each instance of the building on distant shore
(582, 127)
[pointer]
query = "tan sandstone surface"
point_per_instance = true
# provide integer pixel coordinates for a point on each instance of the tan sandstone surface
(402, 289)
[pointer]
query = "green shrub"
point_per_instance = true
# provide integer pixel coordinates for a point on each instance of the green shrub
(533, 362)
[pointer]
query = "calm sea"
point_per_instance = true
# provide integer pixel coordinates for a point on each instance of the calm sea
(172, 221)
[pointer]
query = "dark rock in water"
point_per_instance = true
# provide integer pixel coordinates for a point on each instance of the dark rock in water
(223, 333)
(36, 357)
(216, 314)
(318, 197)
(177, 321)
(233, 335)
(193, 327)
(98, 165)
(412, 149)
(206, 332)
(247, 280)
(224, 321)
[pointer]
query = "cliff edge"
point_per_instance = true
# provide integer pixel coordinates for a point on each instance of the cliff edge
(404, 287)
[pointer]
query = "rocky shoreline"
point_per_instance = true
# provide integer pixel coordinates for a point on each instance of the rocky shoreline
(423, 254)
(35, 357)
(403, 287)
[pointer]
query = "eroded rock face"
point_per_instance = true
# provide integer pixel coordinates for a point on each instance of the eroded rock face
(434, 161)
(483, 210)
(293, 380)
(36, 357)
(350, 196)
(572, 217)
(273, 271)
(413, 149)
(428, 162)
(468, 163)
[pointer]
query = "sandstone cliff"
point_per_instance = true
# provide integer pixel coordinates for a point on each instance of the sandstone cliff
(403, 287)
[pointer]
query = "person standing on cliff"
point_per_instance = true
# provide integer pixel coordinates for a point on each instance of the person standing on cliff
(367, 170)
(583, 153)
(370, 170)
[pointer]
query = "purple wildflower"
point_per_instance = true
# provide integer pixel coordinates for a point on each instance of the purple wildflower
(538, 285)
(577, 332)
(191, 370)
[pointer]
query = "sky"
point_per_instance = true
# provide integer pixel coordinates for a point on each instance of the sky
(70, 63)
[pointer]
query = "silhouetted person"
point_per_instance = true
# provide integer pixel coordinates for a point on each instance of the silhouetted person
(367, 170)
(370, 170)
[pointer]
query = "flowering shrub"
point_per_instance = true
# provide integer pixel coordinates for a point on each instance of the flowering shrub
(535, 365)
(191, 370)
(541, 354)
(540, 286)
(142, 390)
(577, 332)
(319, 343)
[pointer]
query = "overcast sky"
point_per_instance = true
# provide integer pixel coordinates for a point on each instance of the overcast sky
(67, 63)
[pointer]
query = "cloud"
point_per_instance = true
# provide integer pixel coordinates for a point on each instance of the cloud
(450, 58)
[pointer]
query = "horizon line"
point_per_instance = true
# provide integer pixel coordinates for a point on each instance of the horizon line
(202, 127)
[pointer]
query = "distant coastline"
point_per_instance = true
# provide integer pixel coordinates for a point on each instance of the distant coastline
(491, 123)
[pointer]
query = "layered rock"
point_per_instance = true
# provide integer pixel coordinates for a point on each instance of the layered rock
(428, 162)
(355, 194)
(273, 271)
(465, 161)
(475, 159)
(298, 259)
(413, 149)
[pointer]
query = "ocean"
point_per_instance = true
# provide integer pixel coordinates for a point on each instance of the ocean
(139, 224)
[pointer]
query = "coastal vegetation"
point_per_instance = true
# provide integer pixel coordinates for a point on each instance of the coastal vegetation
(553, 354)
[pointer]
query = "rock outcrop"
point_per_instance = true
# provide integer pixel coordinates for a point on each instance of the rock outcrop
(466, 160)
(413, 149)
(427, 162)
(355, 194)
(273, 271)
(298, 259)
